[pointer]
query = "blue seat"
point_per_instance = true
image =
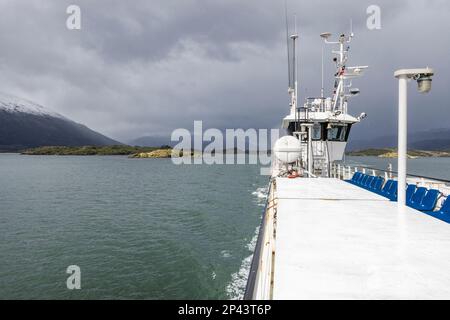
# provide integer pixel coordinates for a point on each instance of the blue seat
(363, 181)
(443, 213)
(392, 193)
(355, 178)
(376, 184)
(417, 198)
(429, 201)
(410, 191)
(445, 207)
(385, 190)
(374, 181)
(369, 182)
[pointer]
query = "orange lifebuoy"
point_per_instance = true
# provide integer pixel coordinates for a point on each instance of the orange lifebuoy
(293, 175)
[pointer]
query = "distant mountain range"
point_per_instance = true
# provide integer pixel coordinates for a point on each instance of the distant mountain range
(432, 140)
(24, 124)
(148, 141)
(159, 141)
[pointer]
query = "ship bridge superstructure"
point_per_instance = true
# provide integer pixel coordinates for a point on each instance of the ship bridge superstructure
(323, 124)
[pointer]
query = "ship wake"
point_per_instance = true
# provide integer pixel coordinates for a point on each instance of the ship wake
(236, 287)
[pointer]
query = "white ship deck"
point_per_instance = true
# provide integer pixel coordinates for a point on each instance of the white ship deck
(338, 241)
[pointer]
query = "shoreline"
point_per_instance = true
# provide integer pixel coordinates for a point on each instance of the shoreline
(392, 153)
(167, 152)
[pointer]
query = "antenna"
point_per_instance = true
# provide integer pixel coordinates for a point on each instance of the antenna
(321, 91)
(287, 45)
(351, 29)
(296, 58)
(294, 37)
(295, 23)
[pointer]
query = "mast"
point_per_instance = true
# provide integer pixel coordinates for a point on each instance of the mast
(343, 72)
(321, 88)
(287, 46)
(294, 38)
(294, 91)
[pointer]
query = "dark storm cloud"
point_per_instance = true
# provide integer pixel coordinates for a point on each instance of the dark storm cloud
(147, 67)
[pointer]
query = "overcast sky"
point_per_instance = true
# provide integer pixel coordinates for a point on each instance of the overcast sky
(147, 67)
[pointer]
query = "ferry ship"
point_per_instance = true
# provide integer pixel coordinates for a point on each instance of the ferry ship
(332, 231)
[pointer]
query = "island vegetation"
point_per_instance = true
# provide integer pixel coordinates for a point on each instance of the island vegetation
(116, 150)
(122, 150)
(392, 153)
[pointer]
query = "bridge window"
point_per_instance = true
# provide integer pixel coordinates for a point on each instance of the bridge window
(337, 133)
(316, 132)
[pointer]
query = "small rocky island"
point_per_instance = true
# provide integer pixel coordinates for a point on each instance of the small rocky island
(162, 152)
(158, 153)
(115, 150)
(166, 153)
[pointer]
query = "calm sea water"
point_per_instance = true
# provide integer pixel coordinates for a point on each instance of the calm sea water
(143, 229)
(429, 167)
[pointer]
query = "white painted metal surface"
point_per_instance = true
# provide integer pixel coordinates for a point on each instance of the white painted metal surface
(411, 72)
(403, 76)
(337, 241)
(402, 139)
(336, 150)
(318, 189)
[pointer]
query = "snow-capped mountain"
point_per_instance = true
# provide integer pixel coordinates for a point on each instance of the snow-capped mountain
(25, 124)
(13, 104)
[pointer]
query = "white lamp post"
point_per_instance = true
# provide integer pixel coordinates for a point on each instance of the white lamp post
(423, 77)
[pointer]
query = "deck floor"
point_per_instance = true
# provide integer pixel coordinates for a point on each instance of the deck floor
(338, 241)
